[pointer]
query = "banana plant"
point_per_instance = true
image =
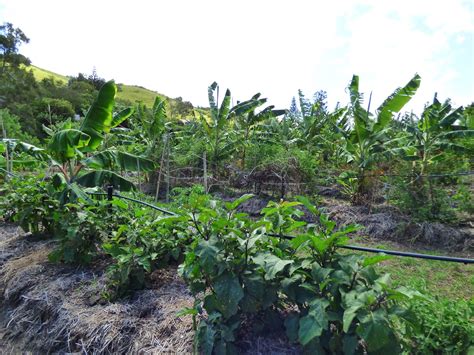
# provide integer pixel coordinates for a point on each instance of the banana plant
(366, 142)
(247, 119)
(320, 129)
(437, 131)
(221, 141)
(75, 152)
(440, 129)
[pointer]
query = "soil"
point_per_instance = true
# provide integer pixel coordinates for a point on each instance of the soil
(50, 308)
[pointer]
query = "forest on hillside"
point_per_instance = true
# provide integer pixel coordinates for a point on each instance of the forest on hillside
(256, 205)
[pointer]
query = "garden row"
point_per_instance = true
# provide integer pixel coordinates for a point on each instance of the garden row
(243, 275)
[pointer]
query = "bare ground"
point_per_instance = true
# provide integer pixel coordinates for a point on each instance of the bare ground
(48, 308)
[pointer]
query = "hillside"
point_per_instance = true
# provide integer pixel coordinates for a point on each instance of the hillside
(131, 93)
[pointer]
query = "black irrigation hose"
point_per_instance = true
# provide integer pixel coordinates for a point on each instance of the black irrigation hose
(146, 204)
(393, 252)
(410, 255)
(134, 200)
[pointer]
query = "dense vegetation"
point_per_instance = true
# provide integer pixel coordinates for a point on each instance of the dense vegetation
(65, 140)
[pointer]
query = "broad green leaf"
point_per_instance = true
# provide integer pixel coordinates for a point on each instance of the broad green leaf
(206, 335)
(376, 332)
(307, 203)
(65, 144)
(349, 344)
(207, 253)
(291, 326)
(459, 134)
(35, 152)
(451, 118)
(224, 110)
(121, 116)
(313, 325)
(79, 192)
(110, 159)
(99, 118)
(297, 241)
(395, 102)
(375, 259)
(104, 177)
(349, 315)
(237, 202)
(272, 264)
(229, 292)
(212, 101)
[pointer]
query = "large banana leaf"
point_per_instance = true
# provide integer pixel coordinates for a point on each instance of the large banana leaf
(105, 177)
(119, 117)
(395, 102)
(158, 124)
(459, 134)
(99, 118)
(248, 106)
(212, 102)
(451, 118)
(361, 116)
(35, 152)
(64, 144)
(110, 159)
(224, 109)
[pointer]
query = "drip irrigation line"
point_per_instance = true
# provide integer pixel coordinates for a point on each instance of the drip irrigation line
(146, 204)
(134, 200)
(393, 252)
(410, 255)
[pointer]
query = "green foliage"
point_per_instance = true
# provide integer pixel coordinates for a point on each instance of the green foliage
(10, 40)
(30, 202)
(139, 245)
(10, 125)
(367, 142)
(236, 269)
(445, 327)
(80, 228)
(434, 143)
(464, 199)
(425, 202)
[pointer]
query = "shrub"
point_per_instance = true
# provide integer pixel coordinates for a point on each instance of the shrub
(238, 270)
(445, 326)
(29, 201)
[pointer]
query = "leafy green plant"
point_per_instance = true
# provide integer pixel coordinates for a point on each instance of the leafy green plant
(67, 147)
(367, 141)
(238, 270)
(429, 143)
(445, 326)
(30, 202)
(464, 199)
(80, 228)
(139, 245)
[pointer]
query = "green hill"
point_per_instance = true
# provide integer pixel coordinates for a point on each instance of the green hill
(130, 93)
(41, 74)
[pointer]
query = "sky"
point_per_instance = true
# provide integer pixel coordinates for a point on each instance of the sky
(180, 47)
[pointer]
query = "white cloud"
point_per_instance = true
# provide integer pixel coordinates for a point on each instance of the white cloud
(275, 47)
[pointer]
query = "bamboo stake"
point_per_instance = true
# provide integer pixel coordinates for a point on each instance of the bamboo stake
(204, 161)
(161, 167)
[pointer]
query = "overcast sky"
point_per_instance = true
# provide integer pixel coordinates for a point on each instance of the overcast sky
(180, 47)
